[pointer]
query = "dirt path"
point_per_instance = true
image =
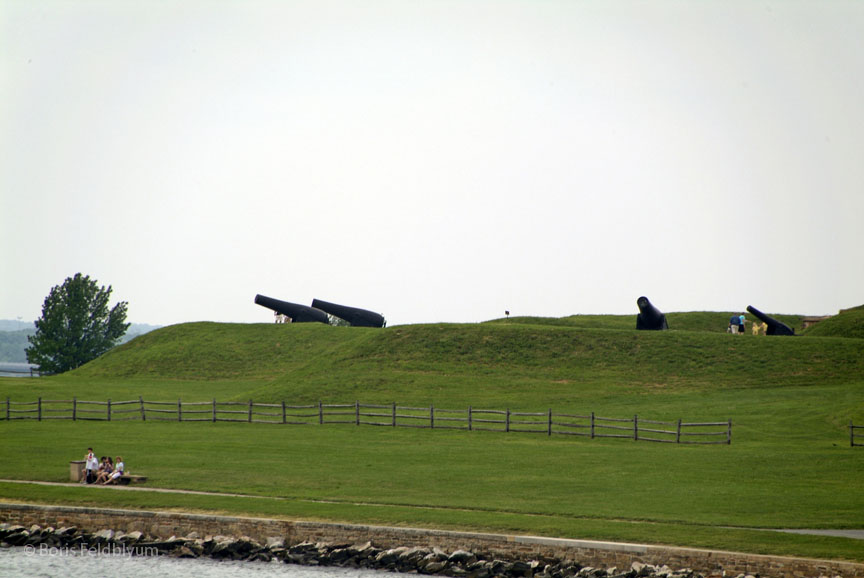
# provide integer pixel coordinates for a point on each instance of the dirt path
(854, 534)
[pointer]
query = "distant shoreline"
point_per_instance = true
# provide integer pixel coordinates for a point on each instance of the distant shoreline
(12, 369)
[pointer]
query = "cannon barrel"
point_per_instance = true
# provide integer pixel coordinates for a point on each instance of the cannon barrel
(353, 315)
(774, 327)
(649, 318)
(297, 313)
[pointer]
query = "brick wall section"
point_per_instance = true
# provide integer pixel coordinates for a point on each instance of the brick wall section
(586, 553)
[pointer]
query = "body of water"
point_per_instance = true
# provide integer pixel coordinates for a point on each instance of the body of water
(36, 561)
(10, 369)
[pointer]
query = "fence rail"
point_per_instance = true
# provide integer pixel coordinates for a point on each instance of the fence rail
(12, 372)
(854, 435)
(386, 415)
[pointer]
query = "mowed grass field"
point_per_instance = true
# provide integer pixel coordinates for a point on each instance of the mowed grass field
(789, 465)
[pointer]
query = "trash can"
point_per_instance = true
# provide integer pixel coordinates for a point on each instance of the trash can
(76, 470)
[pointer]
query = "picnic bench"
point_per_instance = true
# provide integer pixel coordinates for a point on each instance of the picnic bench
(127, 479)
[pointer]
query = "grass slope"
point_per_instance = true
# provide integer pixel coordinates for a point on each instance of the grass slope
(710, 321)
(790, 400)
(517, 364)
(849, 323)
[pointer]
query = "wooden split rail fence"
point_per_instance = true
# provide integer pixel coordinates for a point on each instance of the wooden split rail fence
(856, 435)
(390, 415)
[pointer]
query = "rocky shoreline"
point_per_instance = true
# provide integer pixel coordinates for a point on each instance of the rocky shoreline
(429, 561)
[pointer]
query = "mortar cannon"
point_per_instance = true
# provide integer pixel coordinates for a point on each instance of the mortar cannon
(774, 327)
(297, 313)
(353, 315)
(649, 318)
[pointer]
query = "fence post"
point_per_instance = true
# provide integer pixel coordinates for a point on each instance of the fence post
(469, 418)
(250, 411)
(74, 407)
(179, 409)
(507, 421)
(214, 410)
(143, 413)
(39, 409)
(851, 430)
(320, 413)
(284, 420)
(7, 408)
(729, 433)
(394, 414)
(678, 432)
(356, 412)
(592, 425)
(432, 416)
(636, 428)
(550, 422)
(109, 409)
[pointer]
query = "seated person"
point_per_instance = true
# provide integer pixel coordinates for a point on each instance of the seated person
(118, 471)
(105, 469)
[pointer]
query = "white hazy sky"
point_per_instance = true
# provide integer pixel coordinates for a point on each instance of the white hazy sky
(433, 160)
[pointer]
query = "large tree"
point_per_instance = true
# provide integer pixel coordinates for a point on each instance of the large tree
(76, 325)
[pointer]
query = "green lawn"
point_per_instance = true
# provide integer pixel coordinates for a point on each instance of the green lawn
(789, 466)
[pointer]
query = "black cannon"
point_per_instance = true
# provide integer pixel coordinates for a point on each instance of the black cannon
(297, 313)
(356, 317)
(774, 327)
(649, 318)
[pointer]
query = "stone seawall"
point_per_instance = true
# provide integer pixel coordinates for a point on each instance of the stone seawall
(583, 552)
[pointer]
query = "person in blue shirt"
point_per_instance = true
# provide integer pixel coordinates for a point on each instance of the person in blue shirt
(733, 324)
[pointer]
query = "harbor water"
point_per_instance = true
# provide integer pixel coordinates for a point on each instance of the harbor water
(10, 369)
(36, 561)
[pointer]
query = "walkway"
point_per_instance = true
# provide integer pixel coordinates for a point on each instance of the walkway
(854, 534)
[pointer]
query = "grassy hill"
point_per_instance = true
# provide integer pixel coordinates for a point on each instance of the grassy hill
(708, 321)
(849, 323)
(790, 400)
(522, 362)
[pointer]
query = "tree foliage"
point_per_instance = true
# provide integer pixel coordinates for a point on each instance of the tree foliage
(76, 325)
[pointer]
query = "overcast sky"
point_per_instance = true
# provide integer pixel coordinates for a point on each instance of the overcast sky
(433, 160)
